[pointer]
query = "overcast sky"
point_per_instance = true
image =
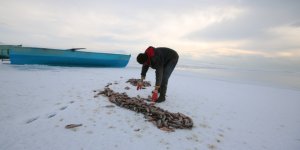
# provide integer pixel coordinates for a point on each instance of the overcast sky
(226, 32)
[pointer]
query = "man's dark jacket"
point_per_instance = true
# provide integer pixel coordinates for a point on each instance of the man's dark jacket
(162, 58)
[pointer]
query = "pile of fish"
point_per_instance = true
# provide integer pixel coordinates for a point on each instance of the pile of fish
(134, 82)
(163, 119)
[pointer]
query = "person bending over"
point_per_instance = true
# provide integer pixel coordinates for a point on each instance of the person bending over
(163, 60)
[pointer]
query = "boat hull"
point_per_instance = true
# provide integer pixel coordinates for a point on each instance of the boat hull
(45, 56)
(4, 50)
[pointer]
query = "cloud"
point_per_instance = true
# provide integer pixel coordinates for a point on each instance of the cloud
(115, 24)
(255, 19)
(275, 39)
(296, 24)
(196, 29)
(262, 30)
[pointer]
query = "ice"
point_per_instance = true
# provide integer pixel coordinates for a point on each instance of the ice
(37, 102)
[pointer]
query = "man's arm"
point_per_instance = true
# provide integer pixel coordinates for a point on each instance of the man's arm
(144, 71)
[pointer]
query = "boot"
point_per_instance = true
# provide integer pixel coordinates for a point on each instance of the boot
(161, 98)
(162, 95)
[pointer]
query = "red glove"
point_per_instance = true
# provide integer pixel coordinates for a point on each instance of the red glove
(154, 95)
(139, 85)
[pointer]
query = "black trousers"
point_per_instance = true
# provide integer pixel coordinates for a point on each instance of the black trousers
(168, 69)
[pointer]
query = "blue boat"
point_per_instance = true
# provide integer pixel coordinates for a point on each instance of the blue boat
(4, 50)
(70, 57)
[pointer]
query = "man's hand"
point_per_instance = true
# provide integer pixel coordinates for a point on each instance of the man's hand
(154, 95)
(139, 85)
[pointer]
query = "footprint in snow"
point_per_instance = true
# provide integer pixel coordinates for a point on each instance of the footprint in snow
(63, 108)
(31, 120)
(51, 115)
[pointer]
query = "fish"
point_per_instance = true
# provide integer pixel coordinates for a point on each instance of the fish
(70, 126)
(162, 119)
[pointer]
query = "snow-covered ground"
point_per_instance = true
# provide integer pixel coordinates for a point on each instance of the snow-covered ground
(37, 102)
